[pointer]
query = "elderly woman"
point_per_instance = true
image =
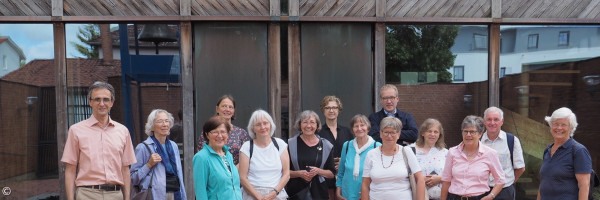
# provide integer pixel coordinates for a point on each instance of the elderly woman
(215, 176)
(566, 165)
(262, 175)
(386, 176)
(226, 109)
(354, 152)
(158, 165)
(311, 160)
(331, 106)
(469, 165)
(431, 151)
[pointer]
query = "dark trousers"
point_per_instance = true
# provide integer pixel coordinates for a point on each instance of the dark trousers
(457, 197)
(507, 193)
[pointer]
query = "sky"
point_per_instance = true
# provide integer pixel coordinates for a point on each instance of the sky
(37, 41)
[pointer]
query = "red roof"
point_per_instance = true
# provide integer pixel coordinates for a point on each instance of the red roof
(3, 39)
(80, 72)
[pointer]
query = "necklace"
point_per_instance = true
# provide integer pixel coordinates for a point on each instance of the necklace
(393, 156)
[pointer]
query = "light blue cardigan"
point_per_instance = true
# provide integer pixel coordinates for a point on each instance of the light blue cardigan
(345, 180)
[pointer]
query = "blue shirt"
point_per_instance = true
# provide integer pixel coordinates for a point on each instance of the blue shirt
(558, 172)
(345, 179)
(212, 180)
(141, 174)
(410, 131)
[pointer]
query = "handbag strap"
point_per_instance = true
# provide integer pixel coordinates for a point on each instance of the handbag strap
(406, 161)
(151, 171)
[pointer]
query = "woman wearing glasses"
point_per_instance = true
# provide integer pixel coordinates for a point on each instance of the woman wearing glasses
(331, 106)
(237, 136)
(469, 165)
(385, 174)
(158, 160)
(215, 175)
(311, 160)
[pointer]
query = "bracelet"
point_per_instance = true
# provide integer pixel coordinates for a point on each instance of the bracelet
(493, 196)
(276, 192)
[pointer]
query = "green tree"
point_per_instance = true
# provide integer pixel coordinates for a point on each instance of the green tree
(419, 48)
(86, 34)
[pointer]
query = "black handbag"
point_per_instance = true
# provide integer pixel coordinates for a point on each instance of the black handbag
(303, 194)
(137, 193)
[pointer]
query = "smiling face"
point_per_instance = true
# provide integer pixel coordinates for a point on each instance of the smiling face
(308, 125)
(561, 129)
(432, 135)
(389, 136)
(389, 99)
(161, 124)
(217, 138)
(493, 122)
(471, 135)
(226, 109)
(262, 128)
(331, 110)
(101, 102)
(360, 129)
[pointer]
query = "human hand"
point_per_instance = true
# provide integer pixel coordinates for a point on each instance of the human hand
(154, 158)
(337, 163)
(272, 195)
(306, 175)
(432, 180)
(487, 197)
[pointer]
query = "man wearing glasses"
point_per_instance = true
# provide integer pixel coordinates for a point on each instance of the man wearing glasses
(389, 101)
(507, 147)
(98, 152)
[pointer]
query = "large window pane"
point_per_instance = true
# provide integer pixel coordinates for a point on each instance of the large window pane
(455, 58)
(559, 73)
(28, 150)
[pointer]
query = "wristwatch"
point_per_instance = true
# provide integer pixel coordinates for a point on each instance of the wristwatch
(276, 192)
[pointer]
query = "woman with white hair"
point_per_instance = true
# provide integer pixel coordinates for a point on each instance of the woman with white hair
(566, 165)
(261, 174)
(158, 165)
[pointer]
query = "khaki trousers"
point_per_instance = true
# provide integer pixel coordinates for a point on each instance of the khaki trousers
(89, 193)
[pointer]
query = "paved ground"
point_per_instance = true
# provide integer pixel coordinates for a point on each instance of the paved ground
(31, 189)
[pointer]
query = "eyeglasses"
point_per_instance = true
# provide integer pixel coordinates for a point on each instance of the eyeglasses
(331, 108)
(492, 120)
(559, 125)
(216, 133)
(389, 98)
(466, 132)
(99, 100)
(309, 123)
(390, 133)
(162, 121)
(226, 106)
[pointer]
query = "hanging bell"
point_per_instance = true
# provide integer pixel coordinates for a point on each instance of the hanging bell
(157, 33)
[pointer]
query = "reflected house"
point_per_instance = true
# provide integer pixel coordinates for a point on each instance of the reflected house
(11, 55)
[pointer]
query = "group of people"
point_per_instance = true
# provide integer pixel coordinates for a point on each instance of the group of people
(373, 159)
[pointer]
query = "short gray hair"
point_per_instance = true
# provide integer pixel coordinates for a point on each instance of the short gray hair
(473, 121)
(101, 85)
(305, 115)
(391, 122)
(256, 115)
(561, 113)
(152, 116)
(360, 118)
(493, 109)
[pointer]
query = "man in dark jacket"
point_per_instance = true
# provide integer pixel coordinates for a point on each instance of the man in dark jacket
(389, 101)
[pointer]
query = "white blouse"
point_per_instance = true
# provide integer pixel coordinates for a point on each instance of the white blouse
(432, 163)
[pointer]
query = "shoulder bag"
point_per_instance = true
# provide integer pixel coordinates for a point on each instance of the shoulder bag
(411, 177)
(137, 193)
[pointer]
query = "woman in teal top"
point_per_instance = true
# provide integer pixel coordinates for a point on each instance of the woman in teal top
(354, 152)
(215, 175)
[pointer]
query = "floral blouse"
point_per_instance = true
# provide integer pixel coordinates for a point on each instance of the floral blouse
(432, 162)
(237, 137)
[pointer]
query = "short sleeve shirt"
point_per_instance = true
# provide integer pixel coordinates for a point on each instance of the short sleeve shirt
(557, 175)
(100, 152)
(265, 164)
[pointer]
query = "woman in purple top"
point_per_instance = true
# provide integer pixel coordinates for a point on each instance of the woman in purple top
(566, 165)
(226, 109)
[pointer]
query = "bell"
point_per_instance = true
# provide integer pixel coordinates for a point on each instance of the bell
(157, 33)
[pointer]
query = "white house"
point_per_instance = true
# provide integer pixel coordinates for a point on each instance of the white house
(11, 56)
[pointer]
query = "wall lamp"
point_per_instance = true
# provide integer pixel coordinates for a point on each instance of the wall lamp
(592, 82)
(467, 100)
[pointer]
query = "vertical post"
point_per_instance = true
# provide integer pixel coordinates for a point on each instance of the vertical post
(57, 8)
(187, 92)
(496, 8)
(274, 43)
(60, 64)
(185, 8)
(494, 65)
(294, 8)
(294, 73)
(379, 70)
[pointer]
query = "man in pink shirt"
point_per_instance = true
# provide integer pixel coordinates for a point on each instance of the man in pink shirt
(98, 152)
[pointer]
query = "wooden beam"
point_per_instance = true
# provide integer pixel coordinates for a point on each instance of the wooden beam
(187, 92)
(550, 84)
(274, 8)
(496, 8)
(62, 123)
(379, 68)
(549, 71)
(294, 74)
(274, 44)
(185, 7)
(57, 8)
(380, 9)
(494, 65)
(294, 8)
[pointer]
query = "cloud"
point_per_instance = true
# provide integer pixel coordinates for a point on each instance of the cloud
(44, 50)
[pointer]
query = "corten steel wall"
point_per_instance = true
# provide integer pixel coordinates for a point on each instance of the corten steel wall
(18, 129)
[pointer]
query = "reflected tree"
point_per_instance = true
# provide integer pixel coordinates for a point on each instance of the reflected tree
(86, 33)
(419, 48)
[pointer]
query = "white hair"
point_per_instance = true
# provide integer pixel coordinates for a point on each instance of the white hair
(152, 116)
(493, 109)
(256, 115)
(562, 113)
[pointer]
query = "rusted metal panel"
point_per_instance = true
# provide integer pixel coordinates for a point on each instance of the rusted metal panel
(436, 8)
(121, 8)
(231, 7)
(338, 8)
(26, 8)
